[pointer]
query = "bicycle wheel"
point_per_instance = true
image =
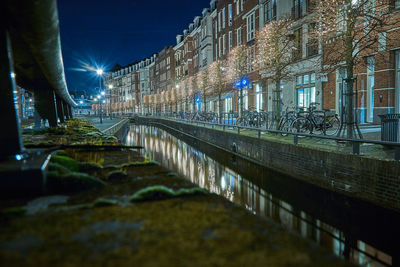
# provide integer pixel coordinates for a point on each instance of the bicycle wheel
(332, 125)
(285, 127)
(302, 125)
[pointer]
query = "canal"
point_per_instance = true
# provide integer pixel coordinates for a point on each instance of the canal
(351, 229)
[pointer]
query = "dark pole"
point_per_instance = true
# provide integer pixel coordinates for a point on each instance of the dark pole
(10, 140)
(66, 113)
(45, 104)
(60, 111)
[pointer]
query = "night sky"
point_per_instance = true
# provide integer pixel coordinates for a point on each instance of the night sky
(107, 32)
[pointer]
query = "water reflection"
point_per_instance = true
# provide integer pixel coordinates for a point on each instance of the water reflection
(257, 197)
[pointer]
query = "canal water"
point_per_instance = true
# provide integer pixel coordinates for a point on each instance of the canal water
(360, 232)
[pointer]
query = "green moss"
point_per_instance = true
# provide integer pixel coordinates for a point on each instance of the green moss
(62, 153)
(71, 182)
(191, 191)
(67, 162)
(13, 212)
(117, 175)
(89, 166)
(58, 168)
(103, 202)
(139, 164)
(156, 192)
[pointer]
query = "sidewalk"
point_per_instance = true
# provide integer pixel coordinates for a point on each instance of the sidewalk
(107, 123)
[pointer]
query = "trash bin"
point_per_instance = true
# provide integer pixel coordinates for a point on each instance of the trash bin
(390, 127)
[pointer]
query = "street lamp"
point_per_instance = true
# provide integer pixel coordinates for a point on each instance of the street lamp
(100, 74)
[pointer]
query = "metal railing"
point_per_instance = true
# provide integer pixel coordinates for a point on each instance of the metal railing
(355, 143)
(113, 129)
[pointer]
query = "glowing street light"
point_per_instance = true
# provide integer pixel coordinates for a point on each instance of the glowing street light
(81, 102)
(103, 93)
(99, 72)
(12, 74)
(110, 86)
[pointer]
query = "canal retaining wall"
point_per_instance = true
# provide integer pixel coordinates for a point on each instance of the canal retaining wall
(366, 178)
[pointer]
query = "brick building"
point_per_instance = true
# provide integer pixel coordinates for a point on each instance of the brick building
(228, 23)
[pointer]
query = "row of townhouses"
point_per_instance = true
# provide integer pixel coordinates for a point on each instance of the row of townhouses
(166, 81)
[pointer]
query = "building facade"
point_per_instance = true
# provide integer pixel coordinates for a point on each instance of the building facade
(170, 77)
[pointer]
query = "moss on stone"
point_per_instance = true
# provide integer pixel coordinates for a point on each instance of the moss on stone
(117, 175)
(139, 164)
(156, 192)
(67, 162)
(191, 191)
(58, 168)
(89, 166)
(159, 192)
(103, 202)
(62, 153)
(71, 182)
(13, 212)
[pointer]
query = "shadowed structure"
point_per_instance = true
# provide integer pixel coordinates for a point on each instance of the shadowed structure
(30, 48)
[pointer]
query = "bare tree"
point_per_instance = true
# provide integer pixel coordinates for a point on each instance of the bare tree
(351, 30)
(275, 47)
(217, 74)
(239, 63)
(203, 85)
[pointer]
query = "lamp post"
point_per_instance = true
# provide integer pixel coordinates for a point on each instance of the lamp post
(100, 74)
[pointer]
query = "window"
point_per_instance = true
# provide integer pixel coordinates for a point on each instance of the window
(370, 88)
(250, 27)
(312, 43)
(216, 29)
(219, 21)
(230, 15)
(297, 9)
(228, 103)
(239, 36)
(237, 7)
(220, 46)
(223, 44)
(241, 6)
(397, 4)
(305, 87)
(230, 41)
(298, 42)
(259, 99)
(223, 18)
(269, 10)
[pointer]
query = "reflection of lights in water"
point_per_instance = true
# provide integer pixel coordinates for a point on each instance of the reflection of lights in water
(223, 184)
(183, 158)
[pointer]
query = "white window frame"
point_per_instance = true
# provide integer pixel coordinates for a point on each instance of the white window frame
(220, 46)
(219, 21)
(224, 44)
(258, 97)
(230, 41)
(237, 7)
(230, 15)
(251, 26)
(239, 36)
(223, 18)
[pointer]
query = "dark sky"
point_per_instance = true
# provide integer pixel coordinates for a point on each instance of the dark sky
(106, 32)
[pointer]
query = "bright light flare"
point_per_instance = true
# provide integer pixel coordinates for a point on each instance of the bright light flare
(99, 72)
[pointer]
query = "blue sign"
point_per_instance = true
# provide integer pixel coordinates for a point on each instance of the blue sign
(242, 83)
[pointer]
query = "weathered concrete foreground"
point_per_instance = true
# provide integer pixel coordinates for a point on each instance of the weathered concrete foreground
(365, 177)
(104, 225)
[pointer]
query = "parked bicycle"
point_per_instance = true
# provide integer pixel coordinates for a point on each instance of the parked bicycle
(312, 121)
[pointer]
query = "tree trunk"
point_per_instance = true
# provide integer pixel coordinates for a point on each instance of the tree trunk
(277, 103)
(220, 108)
